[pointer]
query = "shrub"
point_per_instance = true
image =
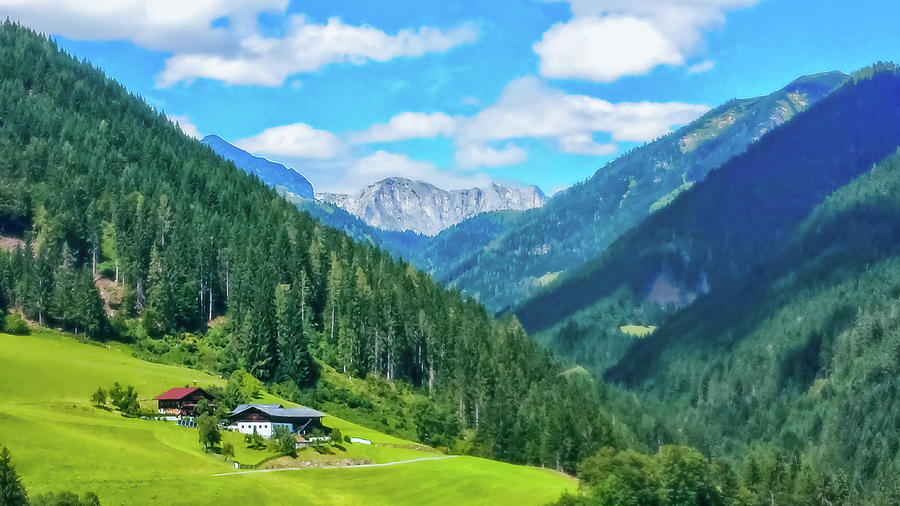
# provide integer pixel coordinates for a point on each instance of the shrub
(99, 397)
(285, 442)
(255, 440)
(66, 499)
(14, 324)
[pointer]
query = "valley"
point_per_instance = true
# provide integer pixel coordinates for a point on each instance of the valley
(708, 318)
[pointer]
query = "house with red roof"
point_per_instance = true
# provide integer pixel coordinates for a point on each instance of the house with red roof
(182, 401)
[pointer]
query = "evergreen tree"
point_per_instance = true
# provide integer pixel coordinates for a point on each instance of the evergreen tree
(12, 492)
(294, 360)
(99, 397)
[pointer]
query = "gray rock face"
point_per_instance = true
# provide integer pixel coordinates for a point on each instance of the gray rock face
(402, 204)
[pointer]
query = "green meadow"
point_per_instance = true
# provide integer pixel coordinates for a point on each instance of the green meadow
(59, 441)
(637, 330)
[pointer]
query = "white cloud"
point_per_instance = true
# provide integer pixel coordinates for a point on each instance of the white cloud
(161, 25)
(604, 49)
(307, 47)
(584, 144)
(472, 155)
(703, 66)
(220, 39)
(409, 125)
(530, 108)
(608, 39)
(187, 126)
(298, 140)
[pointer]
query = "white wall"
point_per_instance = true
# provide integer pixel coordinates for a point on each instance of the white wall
(265, 429)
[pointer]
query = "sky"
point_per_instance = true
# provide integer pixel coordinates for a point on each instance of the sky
(458, 94)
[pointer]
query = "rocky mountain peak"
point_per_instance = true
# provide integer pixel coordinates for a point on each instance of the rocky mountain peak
(398, 203)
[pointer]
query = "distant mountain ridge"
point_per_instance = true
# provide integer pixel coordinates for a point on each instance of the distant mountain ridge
(713, 250)
(273, 174)
(400, 204)
(579, 223)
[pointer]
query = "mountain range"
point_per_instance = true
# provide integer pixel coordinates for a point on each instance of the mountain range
(579, 223)
(401, 204)
(273, 174)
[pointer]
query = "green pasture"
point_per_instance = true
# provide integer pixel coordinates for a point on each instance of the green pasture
(59, 441)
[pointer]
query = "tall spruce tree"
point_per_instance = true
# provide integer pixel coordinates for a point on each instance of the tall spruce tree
(12, 492)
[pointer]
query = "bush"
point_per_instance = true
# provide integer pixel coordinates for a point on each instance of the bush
(255, 440)
(99, 397)
(66, 499)
(125, 399)
(285, 442)
(14, 324)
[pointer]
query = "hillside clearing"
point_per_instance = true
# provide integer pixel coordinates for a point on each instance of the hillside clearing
(60, 442)
(637, 330)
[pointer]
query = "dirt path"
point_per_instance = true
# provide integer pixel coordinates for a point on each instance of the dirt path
(339, 467)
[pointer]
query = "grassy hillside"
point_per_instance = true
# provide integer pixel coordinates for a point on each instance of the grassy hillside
(59, 441)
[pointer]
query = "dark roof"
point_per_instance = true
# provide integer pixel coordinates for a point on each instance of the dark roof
(178, 393)
(278, 411)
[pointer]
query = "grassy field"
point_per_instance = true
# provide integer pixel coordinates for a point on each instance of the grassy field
(637, 330)
(60, 442)
(549, 278)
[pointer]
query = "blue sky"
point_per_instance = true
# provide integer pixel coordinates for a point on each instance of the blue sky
(456, 93)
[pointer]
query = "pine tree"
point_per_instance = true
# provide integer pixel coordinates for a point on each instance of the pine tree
(63, 287)
(12, 492)
(294, 361)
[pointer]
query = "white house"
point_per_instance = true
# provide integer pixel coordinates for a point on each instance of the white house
(265, 418)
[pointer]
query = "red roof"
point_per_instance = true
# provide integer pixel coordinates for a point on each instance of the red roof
(176, 393)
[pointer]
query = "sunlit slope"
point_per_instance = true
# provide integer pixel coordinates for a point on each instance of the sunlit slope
(60, 442)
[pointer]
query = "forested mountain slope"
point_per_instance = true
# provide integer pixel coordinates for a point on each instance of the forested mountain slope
(791, 251)
(95, 181)
(714, 236)
(405, 245)
(441, 255)
(802, 354)
(578, 224)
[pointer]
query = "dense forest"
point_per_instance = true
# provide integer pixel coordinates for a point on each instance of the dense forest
(104, 191)
(807, 360)
(713, 236)
(791, 252)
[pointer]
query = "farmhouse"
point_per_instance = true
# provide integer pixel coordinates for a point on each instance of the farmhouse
(264, 418)
(179, 402)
